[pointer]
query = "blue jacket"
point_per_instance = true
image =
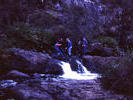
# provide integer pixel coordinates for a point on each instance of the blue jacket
(85, 42)
(56, 47)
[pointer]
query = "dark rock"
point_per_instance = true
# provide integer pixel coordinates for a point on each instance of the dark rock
(33, 62)
(17, 74)
(53, 67)
(99, 50)
(102, 60)
(32, 57)
(97, 63)
(74, 65)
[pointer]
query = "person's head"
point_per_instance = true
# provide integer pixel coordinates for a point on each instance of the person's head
(61, 39)
(84, 38)
(67, 39)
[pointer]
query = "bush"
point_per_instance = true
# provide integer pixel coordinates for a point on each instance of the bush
(23, 35)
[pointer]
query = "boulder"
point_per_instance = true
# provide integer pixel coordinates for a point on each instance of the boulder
(32, 62)
(17, 74)
(74, 64)
(99, 50)
(102, 60)
(32, 57)
(53, 67)
(100, 64)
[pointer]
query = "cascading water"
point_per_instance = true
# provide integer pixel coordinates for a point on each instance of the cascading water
(69, 74)
(80, 65)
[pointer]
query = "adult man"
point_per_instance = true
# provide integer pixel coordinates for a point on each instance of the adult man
(84, 45)
(57, 49)
(62, 47)
(69, 46)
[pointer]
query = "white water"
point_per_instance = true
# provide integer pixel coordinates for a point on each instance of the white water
(69, 74)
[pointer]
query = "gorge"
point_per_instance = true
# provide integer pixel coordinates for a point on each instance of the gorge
(62, 83)
(29, 30)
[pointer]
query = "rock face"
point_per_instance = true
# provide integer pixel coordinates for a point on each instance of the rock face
(101, 60)
(61, 90)
(32, 57)
(100, 64)
(54, 67)
(74, 65)
(99, 50)
(33, 62)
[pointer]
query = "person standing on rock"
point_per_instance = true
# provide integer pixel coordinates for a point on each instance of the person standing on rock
(57, 49)
(84, 45)
(69, 46)
(62, 47)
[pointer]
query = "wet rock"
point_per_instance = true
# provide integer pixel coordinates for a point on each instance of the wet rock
(37, 75)
(62, 90)
(17, 74)
(74, 65)
(25, 92)
(7, 83)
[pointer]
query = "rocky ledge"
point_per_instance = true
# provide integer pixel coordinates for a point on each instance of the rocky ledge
(36, 89)
(30, 62)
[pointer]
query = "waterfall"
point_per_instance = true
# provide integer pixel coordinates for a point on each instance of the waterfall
(83, 67)
(69, 74)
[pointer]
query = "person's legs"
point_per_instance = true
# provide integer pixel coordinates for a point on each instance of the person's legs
(56, 52)
(69, 51)
(84, 48)
(61, 53)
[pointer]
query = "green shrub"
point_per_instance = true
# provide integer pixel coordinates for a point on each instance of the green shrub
(23, 35)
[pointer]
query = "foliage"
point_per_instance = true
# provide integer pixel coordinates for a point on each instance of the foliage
(109, 18)
(23, 35)
(118, 22)
(44, 19)
(83, 21)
